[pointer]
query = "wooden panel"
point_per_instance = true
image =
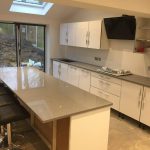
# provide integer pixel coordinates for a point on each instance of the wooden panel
(45, 129)
(63, 134)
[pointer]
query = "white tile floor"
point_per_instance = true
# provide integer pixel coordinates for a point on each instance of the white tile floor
(125, 134)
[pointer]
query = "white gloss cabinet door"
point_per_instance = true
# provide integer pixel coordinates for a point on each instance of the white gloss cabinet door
(110, 97)
(73, 75)
(72, 34)
(84, 79)
(82, 34)
(131, 95)
(56, 66)
(94, 34)
(64, 34)
(145, 109)
(64, 72)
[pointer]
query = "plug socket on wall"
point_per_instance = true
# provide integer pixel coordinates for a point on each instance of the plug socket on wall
(97, 58)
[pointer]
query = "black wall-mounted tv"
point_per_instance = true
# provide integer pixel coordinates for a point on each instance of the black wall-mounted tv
(120, 27)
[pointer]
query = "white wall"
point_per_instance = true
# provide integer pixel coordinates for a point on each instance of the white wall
(52, 31)
(119, 56)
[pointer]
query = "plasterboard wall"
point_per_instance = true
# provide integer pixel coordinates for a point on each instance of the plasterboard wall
(120, 55)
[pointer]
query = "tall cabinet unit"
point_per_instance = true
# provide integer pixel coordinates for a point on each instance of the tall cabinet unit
(145, 108)
(131, 99)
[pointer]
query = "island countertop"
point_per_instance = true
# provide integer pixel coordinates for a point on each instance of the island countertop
(48, 98)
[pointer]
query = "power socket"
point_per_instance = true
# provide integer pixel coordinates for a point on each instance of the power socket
(97, 58)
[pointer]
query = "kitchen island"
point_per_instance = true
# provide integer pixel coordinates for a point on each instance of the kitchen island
(66, 117)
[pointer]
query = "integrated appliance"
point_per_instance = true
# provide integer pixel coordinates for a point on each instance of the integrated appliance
(114, 72)
(120, 27)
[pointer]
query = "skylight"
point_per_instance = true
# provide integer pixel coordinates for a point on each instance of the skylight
(30, 7)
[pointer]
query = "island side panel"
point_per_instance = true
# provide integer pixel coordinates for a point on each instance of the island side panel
(89, 131)
(46, 131)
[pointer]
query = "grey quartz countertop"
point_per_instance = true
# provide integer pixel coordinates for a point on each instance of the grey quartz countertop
(48, 98)
(141, 80)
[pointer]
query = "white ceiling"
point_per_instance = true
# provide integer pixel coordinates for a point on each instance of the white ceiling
(57, 11)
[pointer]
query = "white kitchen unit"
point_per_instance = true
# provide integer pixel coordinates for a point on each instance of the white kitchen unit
(82, 34)
(84, 79)
(106, 87)
(73, 75)
(145, 108)
(56, 66)
(105, 95)
(94, 34)
(64, 72)
(89, 131)
(90, 34)
(64, 34)
(131, 97)
(72, 34)
(60, 71)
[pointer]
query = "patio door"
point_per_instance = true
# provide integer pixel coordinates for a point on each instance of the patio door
(22, 45)
(31, 45)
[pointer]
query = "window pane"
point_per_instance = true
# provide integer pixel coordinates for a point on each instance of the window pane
(32, 46)
(7, 45)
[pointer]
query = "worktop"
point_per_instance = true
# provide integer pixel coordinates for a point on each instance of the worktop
(48, 98)
(141, 80)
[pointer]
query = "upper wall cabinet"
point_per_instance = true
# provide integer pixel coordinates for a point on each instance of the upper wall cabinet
(64, 34)
(90, 34)
(81, 34)
(72, 34)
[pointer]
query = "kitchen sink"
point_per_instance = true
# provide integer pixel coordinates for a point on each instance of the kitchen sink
(67, 60)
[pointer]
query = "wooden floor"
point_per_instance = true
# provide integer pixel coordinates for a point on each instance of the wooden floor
(124, 135)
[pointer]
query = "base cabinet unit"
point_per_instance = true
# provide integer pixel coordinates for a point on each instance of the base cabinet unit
(106, 87)
(112, 98)
(145, 107)
(56, 68)
(84, 79)
(73, 75)
(60, 71)
(63, 72)
(131, 99)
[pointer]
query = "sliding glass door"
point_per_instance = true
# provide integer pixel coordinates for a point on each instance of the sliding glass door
(7, 45)
(32, 46)
(22, 45)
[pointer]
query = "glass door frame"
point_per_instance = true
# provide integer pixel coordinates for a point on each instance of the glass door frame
(18, 39)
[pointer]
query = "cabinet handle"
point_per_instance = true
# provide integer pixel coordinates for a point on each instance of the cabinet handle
(89, 38)
(144, 99)
(144, 94)
(85, 71)
(143, 103)
(139, 102)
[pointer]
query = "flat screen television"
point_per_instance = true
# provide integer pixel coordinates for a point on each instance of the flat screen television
(120, 27)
